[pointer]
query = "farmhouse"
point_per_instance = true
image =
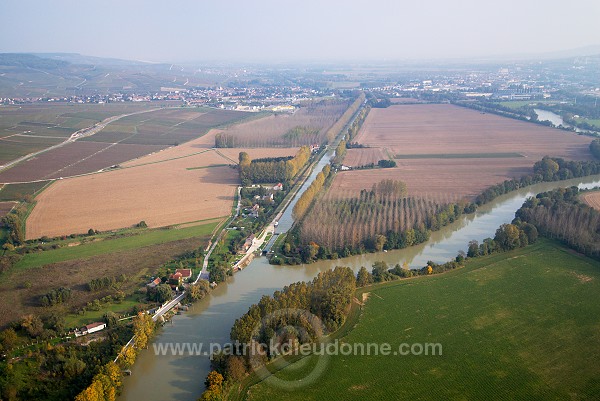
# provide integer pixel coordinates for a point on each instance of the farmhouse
(175, 279)
(186, 274)
(153, 283)
(278, 187)
(90, 328)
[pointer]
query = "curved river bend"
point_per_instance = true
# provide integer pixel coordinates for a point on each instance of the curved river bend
(181, 377)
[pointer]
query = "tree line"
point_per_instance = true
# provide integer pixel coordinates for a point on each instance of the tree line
(357, 225)
(306, 199)
(357, 123)
(369, 222)
(559, 214)
(102, 283)
(302, 135)
(55, 297)
(51, 371)
(312, 308)
(336, 128)
(507, 237)
(340, 152)
(545, 170)
(595, 148)
(271, 169)
(107, 382)
(225, 140)
(14, 222)
(382, 218)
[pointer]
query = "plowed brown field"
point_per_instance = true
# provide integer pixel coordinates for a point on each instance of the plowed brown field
(448, 152)
(361, 156)
(162, 189)
(592, 199)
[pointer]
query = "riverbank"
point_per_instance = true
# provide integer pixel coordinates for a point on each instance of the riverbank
(487, 351)
(179, 376)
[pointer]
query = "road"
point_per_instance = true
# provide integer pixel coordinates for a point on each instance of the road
(168, 306)
(204, 272)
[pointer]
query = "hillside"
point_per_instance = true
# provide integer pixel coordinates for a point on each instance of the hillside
(63, 74)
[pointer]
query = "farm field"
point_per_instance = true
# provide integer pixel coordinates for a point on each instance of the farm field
(120, 141)
(28, 128)
(74, 158)
(14, 192)
(166, 127)
(592, 199)
(5, 207)
(306, 126)
(136, 256)
(107, 243)
(362, 156)
(404, 100)
(162, 189)
(442, 181)
(528, 329)
(449, 153)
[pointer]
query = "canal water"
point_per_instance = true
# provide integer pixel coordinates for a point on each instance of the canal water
(181, 377)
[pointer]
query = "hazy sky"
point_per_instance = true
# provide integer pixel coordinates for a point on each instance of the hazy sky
(307, 30)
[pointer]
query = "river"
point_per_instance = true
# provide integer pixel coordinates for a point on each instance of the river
(181, 377)
(555, 119)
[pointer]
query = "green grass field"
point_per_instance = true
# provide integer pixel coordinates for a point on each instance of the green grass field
(521, 103)
(144, 238)
(460, 156)
(523, 325)
(79, 320)
(595, 123)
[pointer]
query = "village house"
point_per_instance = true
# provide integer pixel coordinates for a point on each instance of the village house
(175, 280)
(186, 274)
(154, 283)
(248, 243)
(278, 187)
(90, 328)
(254, 211)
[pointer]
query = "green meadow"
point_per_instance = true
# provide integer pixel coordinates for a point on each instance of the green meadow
(135, 239)
(523, 325)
